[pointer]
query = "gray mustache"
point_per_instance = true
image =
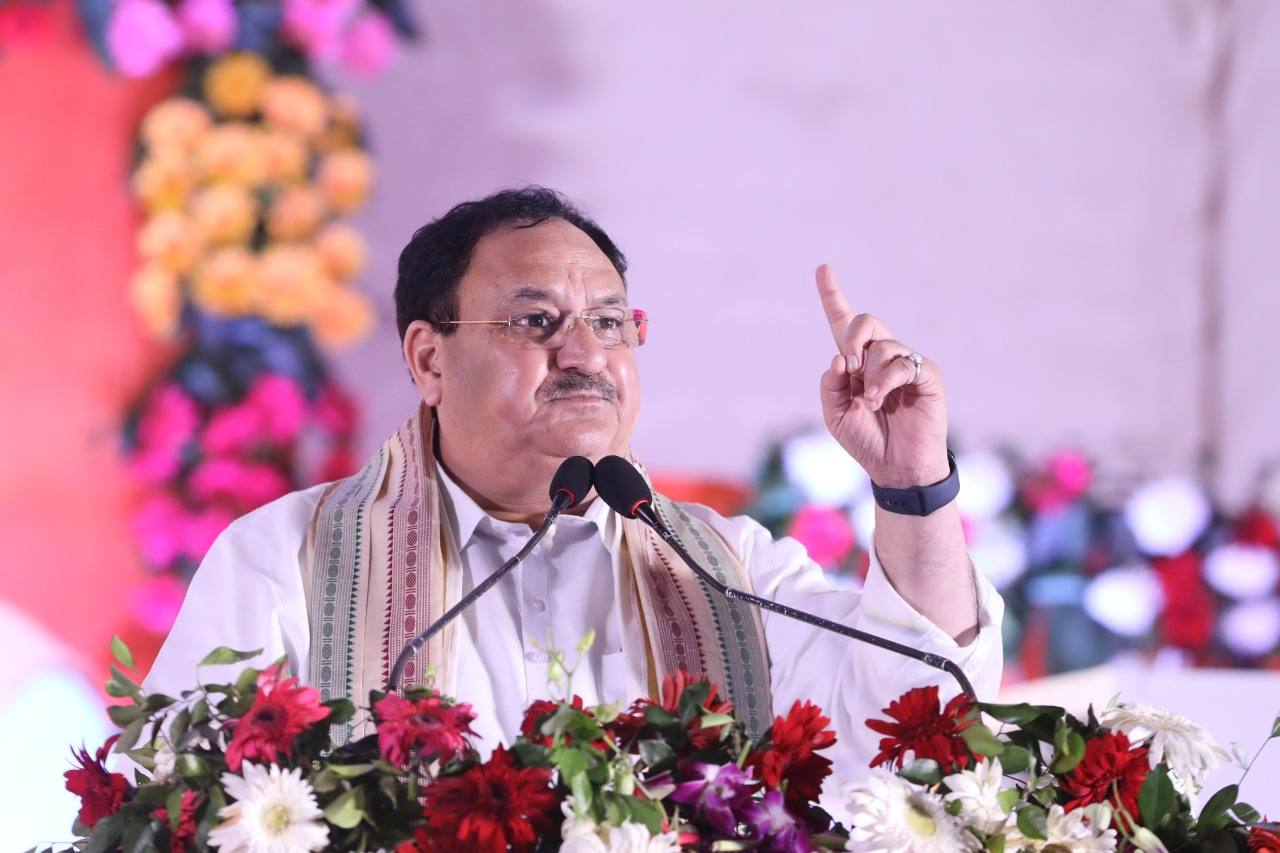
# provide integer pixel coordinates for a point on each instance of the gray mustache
(574, 382)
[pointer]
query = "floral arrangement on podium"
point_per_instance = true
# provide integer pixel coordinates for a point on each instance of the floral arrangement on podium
(250, 766)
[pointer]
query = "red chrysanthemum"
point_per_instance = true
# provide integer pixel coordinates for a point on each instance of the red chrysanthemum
(924, 730)
(101, 793)
(281, 711)
(427, 726)
(186, 831)
(673, 687)
(792, 760)
(492, 807)
(1110, 771)
(538, 711)
(1263, 840)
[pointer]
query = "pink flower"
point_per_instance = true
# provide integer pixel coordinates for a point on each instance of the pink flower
(158, 527)
(282, 710)
(825, 533)
(316, 25)
(1064, 478)
(280, 404)
(156, 603)
(335, 412)
(370, 45)
(231, 430)
(165, 427)
(209, 25)
(427, 726)
(201, 529)
(243, 484)
(142, 36)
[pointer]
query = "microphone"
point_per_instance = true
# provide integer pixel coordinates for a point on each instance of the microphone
(569, 486)
(623, 488)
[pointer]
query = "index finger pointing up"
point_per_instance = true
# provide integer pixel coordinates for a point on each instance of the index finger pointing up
(839, 314)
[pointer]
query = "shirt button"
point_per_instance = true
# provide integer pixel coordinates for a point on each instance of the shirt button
(536, 657)
(538, 604)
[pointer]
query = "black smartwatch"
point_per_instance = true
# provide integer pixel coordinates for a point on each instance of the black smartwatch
(920, 500)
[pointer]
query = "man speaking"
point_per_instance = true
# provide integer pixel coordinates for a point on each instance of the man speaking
(520, 334)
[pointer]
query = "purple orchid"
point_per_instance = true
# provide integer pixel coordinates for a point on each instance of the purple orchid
(722, 792)
(770, 822)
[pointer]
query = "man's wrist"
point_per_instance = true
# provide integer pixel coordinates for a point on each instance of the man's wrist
(919, 500)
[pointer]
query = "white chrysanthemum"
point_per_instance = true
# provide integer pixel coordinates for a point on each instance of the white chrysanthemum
(890, 815)
(584, 835)
(1189, 750)
(1079, 831)
(978, 791)
(166, 764)
(275, 812)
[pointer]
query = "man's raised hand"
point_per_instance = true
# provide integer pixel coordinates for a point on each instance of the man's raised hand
(892, 423)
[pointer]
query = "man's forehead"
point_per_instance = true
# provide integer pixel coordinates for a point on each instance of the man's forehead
(539, 262)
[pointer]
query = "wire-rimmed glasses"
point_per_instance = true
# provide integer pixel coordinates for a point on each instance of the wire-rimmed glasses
(614, 327)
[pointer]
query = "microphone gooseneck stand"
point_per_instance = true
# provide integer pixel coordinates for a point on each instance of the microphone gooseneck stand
(569, 486)
(622, 487)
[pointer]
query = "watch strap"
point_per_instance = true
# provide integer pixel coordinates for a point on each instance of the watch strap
(920, 500)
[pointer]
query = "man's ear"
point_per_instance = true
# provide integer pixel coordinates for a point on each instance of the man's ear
(422, 355)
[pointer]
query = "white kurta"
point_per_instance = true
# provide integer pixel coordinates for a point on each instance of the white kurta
(252, 589)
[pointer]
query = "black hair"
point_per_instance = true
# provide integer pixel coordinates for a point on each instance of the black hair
(435, 260)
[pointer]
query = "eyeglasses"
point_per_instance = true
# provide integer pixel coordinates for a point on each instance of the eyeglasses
(615, 327)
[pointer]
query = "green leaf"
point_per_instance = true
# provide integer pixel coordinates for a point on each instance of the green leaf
(347, 810)
(190, 766)
(981, 741)
(174, 807)
(324, 781)
(224, 655)
(1015, 759)
(1020, 713)
(656, 715)
(1033, 822)
(123, 715)
(151, 796)
(581, 787)
(106, 834)
(1157, 798)
(1214, 813)
(121, 653)
(709, 721)
(350, 771)
(340, 711)
(655, 753)
(121, 686)
(571, 762)
(129, 737)
(995, 844)
(181, 722)
(606, 714)
(1006, 798)
(139, 838)
(588, 641)
(1275, 727)
(199, 713)
(1246, 813)
(923, 771)
(1069, 753)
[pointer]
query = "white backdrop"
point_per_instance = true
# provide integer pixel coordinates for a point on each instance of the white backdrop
(1048, 198)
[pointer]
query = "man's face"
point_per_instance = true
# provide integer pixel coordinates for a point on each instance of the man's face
(501, 402)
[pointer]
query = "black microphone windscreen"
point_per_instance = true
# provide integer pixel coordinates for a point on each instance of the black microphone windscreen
(621, 486)
(573, 477)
